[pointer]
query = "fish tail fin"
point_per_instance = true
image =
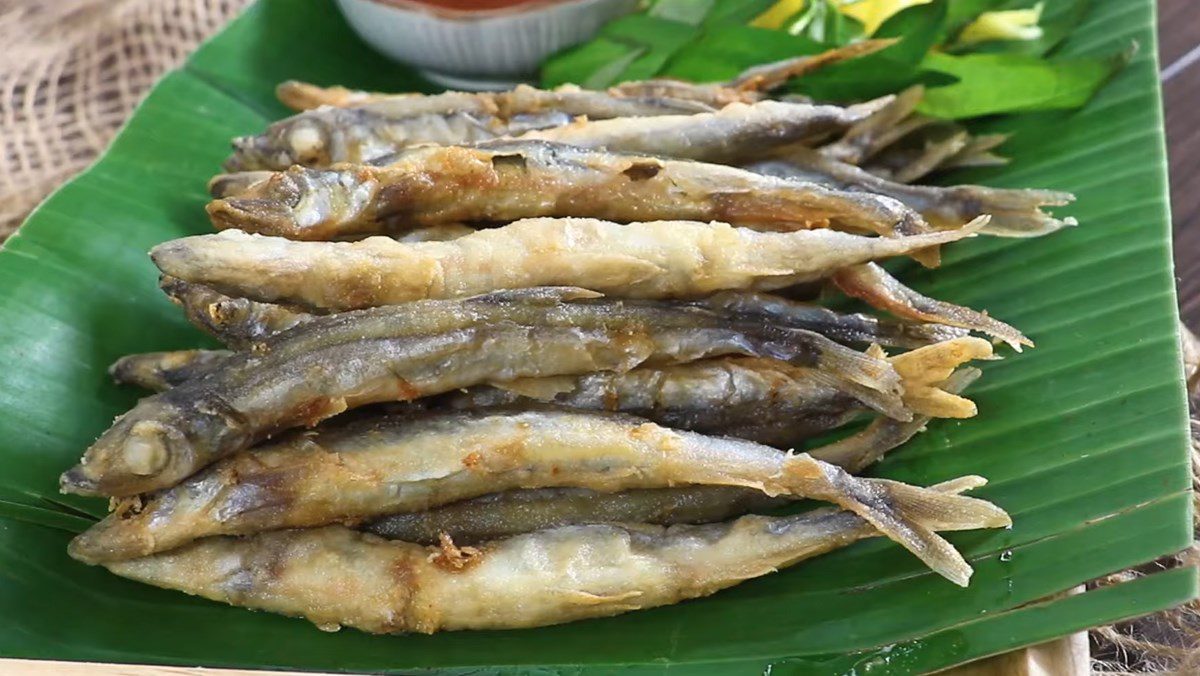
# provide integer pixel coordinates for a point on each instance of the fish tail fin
(858, 451)
(940, 508)
(924, 372)
(864, 375)
(908, 515)
(1018, 213)
(861, 111)
(874, 285)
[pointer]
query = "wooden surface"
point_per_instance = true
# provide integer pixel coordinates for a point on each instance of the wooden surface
(1179, 33)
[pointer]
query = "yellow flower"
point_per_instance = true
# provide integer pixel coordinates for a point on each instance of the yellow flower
(872, 13)
(1014, 24)
(778, 13)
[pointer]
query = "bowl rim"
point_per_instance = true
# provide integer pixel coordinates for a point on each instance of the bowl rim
(520, 7)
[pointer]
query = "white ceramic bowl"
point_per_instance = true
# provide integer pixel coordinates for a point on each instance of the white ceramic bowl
(489, 49)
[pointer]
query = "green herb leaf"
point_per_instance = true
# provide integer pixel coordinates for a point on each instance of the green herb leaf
(727, 12)
(1014, 83)
(690, 12)
(722, 53)
(595, 64)
(887, 71)
(639, 46)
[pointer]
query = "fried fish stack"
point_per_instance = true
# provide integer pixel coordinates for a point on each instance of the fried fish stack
(514, 359)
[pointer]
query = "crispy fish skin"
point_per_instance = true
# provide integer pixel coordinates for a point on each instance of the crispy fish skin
(735, 134)
(262, 320)
(389, 465)
(399, 353)
(333, 576)
(364, 133)
(238, 322)
(499, 515)
(1015, 213)
(522, 511)
(874, 285)
(848, 329)
(159, 371)
(762, 400)
(658, 259)
(507, 180)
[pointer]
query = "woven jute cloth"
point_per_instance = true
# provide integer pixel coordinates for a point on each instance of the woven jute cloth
(70, 73)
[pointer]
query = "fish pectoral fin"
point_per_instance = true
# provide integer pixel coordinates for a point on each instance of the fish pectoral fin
(584, 598)
(544, 389)
(609, 270)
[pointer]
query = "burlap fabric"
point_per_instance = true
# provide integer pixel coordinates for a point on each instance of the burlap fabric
(70, 73)
(72, 70)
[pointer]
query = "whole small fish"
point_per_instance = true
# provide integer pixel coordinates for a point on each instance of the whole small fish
(366, 132)
(522, 511)
(507, 180)
(762, 400)
(736, 134)
(334, 576)
(376, 125)
(398, 353)
(158, 371)
(255, 321)
(1015, 213)
(380, 466)
(657, 259)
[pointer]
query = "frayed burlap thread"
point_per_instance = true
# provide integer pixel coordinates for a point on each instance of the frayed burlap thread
(70, 73)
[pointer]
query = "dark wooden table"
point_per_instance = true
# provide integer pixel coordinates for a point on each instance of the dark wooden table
(1179, 51)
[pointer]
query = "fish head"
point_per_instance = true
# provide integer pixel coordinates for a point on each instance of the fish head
(145, 449)
(297, 203)
(307, 139)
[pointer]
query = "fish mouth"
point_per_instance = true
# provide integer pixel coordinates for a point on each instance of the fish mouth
(263, 216)
(75, 481)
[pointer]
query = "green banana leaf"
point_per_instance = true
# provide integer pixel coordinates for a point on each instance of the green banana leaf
(1083, 438)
